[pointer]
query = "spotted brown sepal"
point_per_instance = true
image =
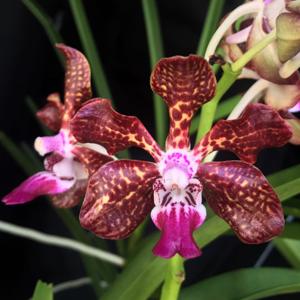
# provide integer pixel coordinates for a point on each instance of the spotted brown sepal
(185, 83)
(118, 198)
(97, 122)
(77, 81)
(91, 159)
(71, 197)
(258, 127)
(51, 114)
(240, 194)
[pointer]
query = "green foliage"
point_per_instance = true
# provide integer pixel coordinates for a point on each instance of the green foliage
(43, 291)
(156, 52)
(245, 284)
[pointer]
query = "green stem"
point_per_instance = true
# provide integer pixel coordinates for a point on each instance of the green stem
(245, 58)
(53, 35)
(223, 110)
(229, 76)
(155, 46)
(210, 24)
(90, 48)
(208, 110)
(174, 277)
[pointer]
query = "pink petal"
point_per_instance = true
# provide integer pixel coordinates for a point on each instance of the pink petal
(239, 37)
(177, 224)
(177, 213)
(56, 143)
(296, 108)
(42, 183)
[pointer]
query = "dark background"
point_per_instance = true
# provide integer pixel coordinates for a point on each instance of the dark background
(29, 66)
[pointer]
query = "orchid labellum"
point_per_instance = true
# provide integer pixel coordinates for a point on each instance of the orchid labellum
(67, 164)
(122, 193)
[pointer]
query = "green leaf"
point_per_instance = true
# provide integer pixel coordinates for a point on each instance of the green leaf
(53, 35)
(16, 153)
(291, 231)
(210, 24)
(90, 48)
(285, 175)
(245, 284)
(156, 52)
(43, 291)
(290, 251)
(145, 272)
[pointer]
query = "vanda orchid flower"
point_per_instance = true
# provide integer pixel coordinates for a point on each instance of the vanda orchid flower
(120, 193)
(276, 67)
(68, 164)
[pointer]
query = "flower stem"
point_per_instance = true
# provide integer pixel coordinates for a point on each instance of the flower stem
(156, 51)
(229, 76)
(90, 48)
(244, 9)
(60, 242)
(174, 277)
(208, 110)
(263, 43)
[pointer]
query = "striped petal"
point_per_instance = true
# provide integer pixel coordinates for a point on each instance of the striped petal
(42, 183)
(259, 127)
(240, 194)
(97, 122)
(77, 81)
(118, 198)
(185, 83)
(177, 213)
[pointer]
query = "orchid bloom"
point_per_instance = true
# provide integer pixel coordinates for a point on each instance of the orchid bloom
(276, 66)
(67, 164)
(122, 193)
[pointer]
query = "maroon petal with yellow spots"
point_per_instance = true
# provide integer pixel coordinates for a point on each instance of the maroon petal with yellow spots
(258, 127)
(241, 195)
(71, 197)
(97, 122)
(91, 159)
(185, 83)
(118, 198)
(77, 81)
(51, 114)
